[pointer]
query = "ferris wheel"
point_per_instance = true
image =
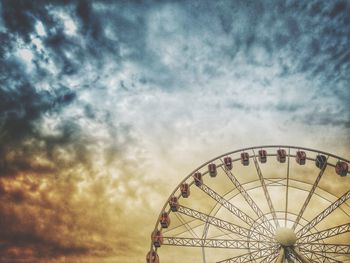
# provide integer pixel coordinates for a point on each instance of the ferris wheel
(260, 204)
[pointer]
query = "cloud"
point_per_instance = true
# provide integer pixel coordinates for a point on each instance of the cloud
(106, 105)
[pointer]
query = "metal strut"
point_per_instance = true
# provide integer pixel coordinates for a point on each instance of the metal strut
(215, 243)
(323, 214)
(287, 191)
(291, 256)
(249, 200)
(300, 257)
(330, 232)
(249, 256)
(318, 257)
(233, 209)
(225, 203)
(235, 229)
(271, 256)
(310, 194)
(327, 248)
(266, 192)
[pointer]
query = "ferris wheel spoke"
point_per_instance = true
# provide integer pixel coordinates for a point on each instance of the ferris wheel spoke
(167, 230)
(225, 203)
(233, 209)
(321, 216)
(290, 255)
(222, 224)
(249, 200)
(314, 186)
(249, 256)
(318, 257)
(287, 190)
(313, 258)
(187, 226)
(296, 254)
(266, 192)
(214, 243)
(330, 232)
(326, 248)
(271, 256)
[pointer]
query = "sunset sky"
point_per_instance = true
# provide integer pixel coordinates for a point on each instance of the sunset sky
(106, 105)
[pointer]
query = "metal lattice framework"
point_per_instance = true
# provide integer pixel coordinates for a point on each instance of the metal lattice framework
(266, 210)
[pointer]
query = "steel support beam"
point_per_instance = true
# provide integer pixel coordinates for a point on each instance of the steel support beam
(266, 192)
(215, 243)
(300, 256)
(235, 229)
(327, 248)
(249, 256)
(330, 232)
(249, 200)
(310, 195)
(234, 210)
(318, 257)
(323, 214)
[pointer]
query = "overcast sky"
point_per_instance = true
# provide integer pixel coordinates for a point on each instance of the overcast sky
(106, 105)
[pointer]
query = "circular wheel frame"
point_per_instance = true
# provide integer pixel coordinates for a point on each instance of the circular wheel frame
(256, 205)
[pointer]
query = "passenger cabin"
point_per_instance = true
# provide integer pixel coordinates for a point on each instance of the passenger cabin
(164, 220)
(157, 238)
(198, 180)
(300, 157)
(262, 156)
(174, 204)
(245, 159)
(281, 155)
(185, 190)
(228, 162)
(341, 168)
(152, 257)
(212, 170)
(321, 161)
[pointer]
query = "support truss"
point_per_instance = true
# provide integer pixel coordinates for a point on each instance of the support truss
(327, 248)
(314, 186)
(225, 203)
(292, 255)
(330, 232)
(318, 257)
(272, 256)
(215, 243)
(287, 191)
(249, 256)
(235, 229)
(301, 256)
(186, 225)
(233, 209)
(266, 192)
(249, 200)
(323, 214)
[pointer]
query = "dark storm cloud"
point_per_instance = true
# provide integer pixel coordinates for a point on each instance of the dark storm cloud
(313, 33)
(22, 141)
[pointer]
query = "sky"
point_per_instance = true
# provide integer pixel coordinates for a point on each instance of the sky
(107, 105)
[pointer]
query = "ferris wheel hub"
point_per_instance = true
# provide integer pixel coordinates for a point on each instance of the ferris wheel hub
(285, 237)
